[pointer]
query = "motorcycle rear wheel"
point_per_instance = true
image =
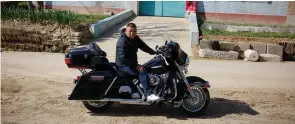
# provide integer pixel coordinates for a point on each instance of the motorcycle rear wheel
(97, 106)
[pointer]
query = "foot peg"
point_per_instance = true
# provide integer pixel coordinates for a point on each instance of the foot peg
(176, 103)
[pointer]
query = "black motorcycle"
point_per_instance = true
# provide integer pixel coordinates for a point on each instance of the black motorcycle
(105, 84)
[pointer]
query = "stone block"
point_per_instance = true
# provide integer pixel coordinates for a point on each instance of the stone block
(212, 45)
(241, 47)
(288, 51)
(227, 46)
(251, 55)
(260, 48)
(206, 53)
(275, 50)
(269, 58)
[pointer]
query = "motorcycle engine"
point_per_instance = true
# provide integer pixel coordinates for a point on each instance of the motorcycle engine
(125, 89)
(154, 80)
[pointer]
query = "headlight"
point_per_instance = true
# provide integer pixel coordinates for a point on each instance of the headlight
(186, 65)
(187, 61)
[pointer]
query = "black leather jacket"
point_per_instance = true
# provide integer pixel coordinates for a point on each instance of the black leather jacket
(126, 50)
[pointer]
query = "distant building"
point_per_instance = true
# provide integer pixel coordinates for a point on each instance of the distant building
(93, 7)
(271, 12)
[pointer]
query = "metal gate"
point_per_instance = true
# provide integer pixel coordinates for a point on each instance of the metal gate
(162, 8)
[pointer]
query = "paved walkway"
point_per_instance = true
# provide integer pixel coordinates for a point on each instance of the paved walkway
(221, 74)
(152, 30)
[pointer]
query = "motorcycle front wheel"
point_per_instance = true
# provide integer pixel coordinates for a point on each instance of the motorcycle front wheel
(97, 106)
(198, 105)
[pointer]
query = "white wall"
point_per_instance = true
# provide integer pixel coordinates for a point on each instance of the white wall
(133, 5)
(278, 8)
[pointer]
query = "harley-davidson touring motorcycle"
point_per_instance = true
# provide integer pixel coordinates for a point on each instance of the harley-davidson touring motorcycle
(105, 84)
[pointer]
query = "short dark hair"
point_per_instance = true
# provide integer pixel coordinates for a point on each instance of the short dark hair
(131, 25)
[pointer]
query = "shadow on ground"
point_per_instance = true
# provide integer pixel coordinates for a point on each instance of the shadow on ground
(217, 108)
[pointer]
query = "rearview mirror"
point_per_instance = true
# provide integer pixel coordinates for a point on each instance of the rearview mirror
(156, 47)
(166, 42)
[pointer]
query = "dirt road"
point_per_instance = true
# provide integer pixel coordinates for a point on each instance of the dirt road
(35, 87)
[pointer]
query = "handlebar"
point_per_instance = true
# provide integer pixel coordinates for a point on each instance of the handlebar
(159, 50)
(162, 50)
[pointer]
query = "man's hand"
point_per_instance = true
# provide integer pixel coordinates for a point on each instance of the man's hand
(153, 52)
(139, 68)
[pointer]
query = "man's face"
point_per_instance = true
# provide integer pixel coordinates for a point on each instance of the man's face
(130, 32)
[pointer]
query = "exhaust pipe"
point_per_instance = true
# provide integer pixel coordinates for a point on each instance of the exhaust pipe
(126, 101)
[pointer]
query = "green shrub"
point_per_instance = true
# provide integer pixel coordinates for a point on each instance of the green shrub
(248, 33)
(62, 17)
(22, 4)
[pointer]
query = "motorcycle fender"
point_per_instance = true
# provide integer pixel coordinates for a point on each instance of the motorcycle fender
(191, 79)
(199, 81)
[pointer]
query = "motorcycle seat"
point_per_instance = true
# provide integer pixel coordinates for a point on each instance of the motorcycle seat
(121, 73)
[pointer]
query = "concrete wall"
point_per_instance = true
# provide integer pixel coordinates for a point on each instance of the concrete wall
(291, 13)
(291, 8)
(94, 7)
(104, 25)
(274, 12)
(278, 8)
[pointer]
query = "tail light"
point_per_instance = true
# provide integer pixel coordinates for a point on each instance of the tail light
(68, 61)
(78, 78)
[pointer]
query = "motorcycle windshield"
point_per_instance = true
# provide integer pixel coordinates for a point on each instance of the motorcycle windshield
(176, 53)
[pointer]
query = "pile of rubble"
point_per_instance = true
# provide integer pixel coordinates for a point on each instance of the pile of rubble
(25, 36)
(254, 51)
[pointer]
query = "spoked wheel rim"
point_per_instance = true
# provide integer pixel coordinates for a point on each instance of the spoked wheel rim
(194, 104)
(97, 103)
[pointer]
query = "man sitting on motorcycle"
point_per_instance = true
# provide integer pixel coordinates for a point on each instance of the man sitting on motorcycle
(126, 57)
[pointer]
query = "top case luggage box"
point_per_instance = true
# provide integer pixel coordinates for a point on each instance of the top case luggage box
(85, 57)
